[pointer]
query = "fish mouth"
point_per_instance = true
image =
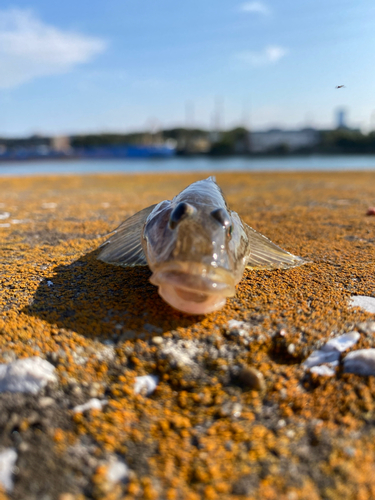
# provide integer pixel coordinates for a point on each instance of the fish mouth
(192, 287)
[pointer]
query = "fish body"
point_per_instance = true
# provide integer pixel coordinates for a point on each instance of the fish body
(195, 246)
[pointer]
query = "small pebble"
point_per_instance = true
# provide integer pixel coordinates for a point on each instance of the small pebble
(361, 362)
(26, 375)
(157, 340)
(370, 211)
(291, 348)
(43, 402)
(66, 496)
(117, 471)
(77, 390)
(367, 327)
(252, 379)
(146, 384)
(8, 458)
(323, 370)
(94, 390)
(18, 221)
(23, 447)
(350, 451)
(4, 215)
(236, 410)
(91, 404)
(235, 327)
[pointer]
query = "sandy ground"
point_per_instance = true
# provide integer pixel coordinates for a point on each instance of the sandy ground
(213, 428)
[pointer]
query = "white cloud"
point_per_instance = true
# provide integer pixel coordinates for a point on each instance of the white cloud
(269, 55)
(256, 8)
(31, 49)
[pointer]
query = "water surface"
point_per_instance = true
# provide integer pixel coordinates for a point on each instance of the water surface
(198, 164)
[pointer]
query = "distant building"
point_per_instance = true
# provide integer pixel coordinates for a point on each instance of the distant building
(61, 143)
(291, 140)
(34, 147)
(341, 118)
(190, 143)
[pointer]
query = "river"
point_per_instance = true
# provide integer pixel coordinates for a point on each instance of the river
(197, 164)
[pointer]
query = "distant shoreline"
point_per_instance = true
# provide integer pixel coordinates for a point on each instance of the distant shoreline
(193, 157)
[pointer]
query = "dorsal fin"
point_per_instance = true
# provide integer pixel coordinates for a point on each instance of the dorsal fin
(124, 247)
(266, 255)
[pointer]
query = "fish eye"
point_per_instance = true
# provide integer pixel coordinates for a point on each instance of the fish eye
(180, 212)
(222, 216)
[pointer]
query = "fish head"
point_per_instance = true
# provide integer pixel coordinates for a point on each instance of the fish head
(192, 252)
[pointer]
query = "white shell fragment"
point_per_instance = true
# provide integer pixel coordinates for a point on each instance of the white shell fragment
(319, 357)
(364, 302)
(323, 370)
(234, 323)
(146, 384)
(240, 328)
(361, 362)
(4, 215)
(8, 459)
(91, 404)
(49, 205)
(330, 352)
(117, 471)
(17, 221)
(342, 342)
(26, 375)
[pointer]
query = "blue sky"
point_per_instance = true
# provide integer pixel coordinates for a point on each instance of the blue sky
(78, 66)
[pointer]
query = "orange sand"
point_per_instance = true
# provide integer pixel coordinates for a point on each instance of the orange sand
(303, 437)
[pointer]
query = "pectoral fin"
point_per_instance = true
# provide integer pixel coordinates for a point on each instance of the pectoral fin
(124, 247)
(266, 255)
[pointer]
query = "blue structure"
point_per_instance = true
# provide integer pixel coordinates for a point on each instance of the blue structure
(125, 152)
(105, 152)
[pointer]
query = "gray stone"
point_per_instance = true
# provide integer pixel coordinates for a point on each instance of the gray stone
(252, 379)
(361, 362)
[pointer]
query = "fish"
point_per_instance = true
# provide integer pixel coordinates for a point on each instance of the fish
(196, 248)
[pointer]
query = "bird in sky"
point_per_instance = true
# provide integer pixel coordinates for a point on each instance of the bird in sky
(340, 86)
